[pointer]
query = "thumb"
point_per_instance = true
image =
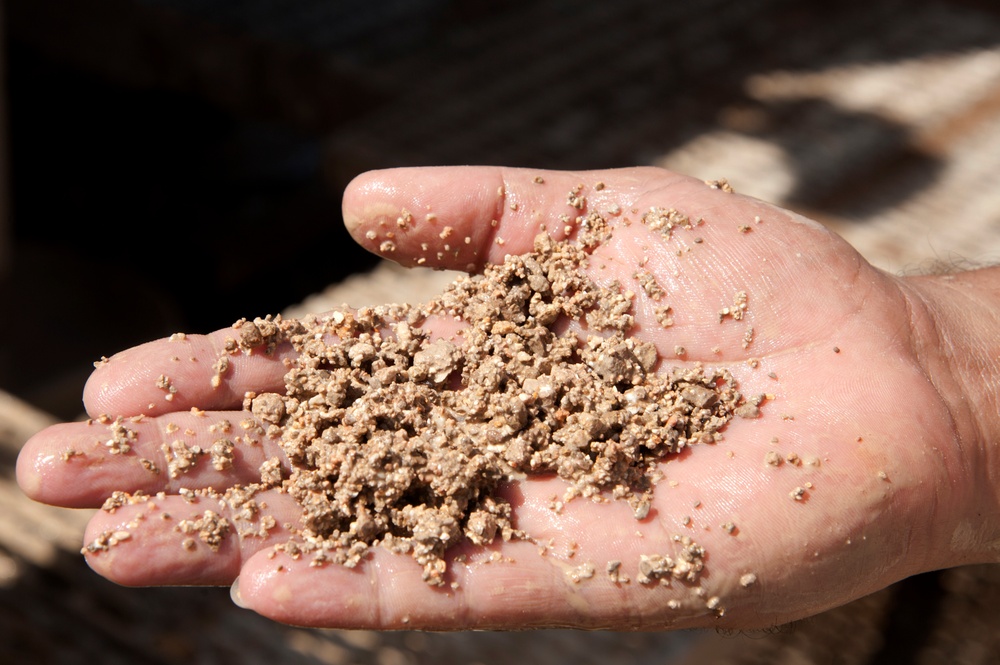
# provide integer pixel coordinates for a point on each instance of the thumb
(463, 217)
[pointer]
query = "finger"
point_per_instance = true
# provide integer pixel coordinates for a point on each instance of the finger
(559, 579)
(465, 217)
(79, 465)
(517, 588)
(177, 541)
(386, 592)
(182, 372)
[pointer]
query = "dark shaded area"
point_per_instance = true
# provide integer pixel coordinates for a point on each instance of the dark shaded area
(91, 620)
(841, 159)
(141, 212)
(170, 188)
(914, 612)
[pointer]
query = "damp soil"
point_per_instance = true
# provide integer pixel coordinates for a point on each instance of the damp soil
(402, 438)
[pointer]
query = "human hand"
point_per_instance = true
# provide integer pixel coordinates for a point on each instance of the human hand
(882, 429)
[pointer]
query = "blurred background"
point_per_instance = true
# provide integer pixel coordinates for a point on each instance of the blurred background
(173, 165)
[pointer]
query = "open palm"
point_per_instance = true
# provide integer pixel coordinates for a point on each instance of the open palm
(852, 476)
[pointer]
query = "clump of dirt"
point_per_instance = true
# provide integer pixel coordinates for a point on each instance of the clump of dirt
(403, 438)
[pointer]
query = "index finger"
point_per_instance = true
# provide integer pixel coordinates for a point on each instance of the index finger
(183, 372)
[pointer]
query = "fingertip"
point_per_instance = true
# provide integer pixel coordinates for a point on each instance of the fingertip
(27, 473)
(430, 216)
(294, 591)
(163, 542)
(96, 392)
(266, 585)
(362, 192)
(236, 596)
(115, 385)
(43, 463)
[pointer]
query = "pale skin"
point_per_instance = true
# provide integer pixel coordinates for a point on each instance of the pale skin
(885, 388)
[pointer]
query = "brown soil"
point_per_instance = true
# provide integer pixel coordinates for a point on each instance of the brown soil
(400, 438)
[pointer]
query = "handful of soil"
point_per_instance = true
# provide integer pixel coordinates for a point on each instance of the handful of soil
(401, 438)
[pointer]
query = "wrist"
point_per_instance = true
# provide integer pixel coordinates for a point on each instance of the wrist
(956, 332)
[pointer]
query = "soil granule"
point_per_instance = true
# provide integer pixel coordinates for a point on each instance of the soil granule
(403, 438)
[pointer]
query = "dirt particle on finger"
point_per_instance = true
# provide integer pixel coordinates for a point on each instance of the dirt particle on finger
(258, 333)
(119, 498)
(584, 571)
(220, 367)
(720, 184)
(685, 563)
(737, 310)
(615, 573)
(180, 457)
(649, 284)
(223, 426)
(269, 407)
(210, 528)
(69, 454)
(405, 219)
(122, 438)
(105, 541)
(271, 474)
(222, 452)
(773, 458)
(164, 383)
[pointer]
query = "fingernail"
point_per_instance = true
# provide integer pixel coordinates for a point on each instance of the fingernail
(234, 594)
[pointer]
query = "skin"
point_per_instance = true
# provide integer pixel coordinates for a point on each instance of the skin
(884, 387)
